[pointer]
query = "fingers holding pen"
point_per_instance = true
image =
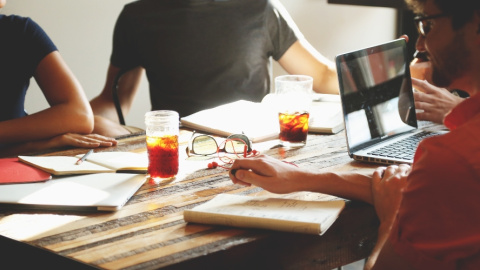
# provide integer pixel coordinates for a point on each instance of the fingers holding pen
(266, 172)
(247, 170)
(238, 176)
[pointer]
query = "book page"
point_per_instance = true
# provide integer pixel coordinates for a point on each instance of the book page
(120, 160)
(259, 121)
(253, 119)
(326, 117)
(268, 212)
(61, 165)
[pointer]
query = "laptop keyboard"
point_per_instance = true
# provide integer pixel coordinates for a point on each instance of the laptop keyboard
(403, 149)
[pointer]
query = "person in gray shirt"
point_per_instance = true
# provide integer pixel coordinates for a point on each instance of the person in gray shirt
(199, 54)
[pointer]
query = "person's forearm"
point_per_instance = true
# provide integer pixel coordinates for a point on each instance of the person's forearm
(128, 85)
(324, 71)
(69, 110)
(281, 177)
(302, 58)
(352, 186)
(105, 107)
(59, 119)
(328, 84)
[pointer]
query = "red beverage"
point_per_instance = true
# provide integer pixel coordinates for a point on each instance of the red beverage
(293, 127)
(163, 156)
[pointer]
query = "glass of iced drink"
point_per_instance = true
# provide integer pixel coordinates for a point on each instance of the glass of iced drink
(162, 129)
(293, 96)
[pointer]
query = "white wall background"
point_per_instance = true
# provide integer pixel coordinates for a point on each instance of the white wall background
(82, 30)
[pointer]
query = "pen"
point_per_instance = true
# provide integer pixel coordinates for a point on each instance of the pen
(82, 159)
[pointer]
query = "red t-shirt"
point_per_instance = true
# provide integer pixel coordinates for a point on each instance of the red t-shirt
(438, 223)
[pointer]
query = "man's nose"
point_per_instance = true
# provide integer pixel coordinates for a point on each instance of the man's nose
(420, 45)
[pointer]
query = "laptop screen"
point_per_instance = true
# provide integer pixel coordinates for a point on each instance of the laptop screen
(376, 93)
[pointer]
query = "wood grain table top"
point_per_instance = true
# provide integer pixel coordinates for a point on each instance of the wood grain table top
(149, 231)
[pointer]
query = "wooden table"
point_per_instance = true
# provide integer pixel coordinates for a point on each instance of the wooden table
(149, 231)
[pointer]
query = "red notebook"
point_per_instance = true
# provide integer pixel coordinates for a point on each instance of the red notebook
(13, 171)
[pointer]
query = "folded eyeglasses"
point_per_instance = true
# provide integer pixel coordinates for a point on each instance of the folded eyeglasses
(201, 144)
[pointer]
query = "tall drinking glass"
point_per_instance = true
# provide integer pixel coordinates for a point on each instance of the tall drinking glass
(293, 96)
(162, 129)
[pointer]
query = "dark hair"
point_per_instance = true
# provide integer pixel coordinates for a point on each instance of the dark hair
(461, 11)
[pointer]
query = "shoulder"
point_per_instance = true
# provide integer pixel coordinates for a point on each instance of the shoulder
(445, 163)
(139, 7)
(463, 143)
(279, 19)
(439, 153)
(15, 22)
(20, 29)
(140, 10)
(13, 19)
(442, 185)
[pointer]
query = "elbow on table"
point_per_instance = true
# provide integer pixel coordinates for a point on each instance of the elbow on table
(87, 123)
(81, 122)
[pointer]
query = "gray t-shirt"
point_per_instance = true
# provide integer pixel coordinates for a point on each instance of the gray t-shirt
(201, 53)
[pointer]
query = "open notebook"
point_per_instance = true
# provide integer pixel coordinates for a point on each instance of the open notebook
(89, 192)
(100, 162)
(259, 121)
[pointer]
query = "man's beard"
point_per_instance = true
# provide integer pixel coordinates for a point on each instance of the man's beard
(454, 62)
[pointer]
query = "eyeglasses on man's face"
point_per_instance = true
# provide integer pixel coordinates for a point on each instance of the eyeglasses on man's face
(207, 145)
(424, 23)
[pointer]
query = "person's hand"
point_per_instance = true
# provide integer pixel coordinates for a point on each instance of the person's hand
(419, 69)
(72, 139)
(64, 140)
(80, 140)
(433, 102)
(264, 171)
(387, 186)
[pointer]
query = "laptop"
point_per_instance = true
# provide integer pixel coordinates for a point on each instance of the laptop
(378, 105)
(88, 192)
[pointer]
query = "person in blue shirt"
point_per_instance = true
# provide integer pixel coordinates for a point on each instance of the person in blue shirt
(27, 52)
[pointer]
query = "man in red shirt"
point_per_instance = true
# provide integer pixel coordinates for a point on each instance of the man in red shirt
(428, 212)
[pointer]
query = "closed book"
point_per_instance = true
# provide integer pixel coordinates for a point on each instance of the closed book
(289, 215)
